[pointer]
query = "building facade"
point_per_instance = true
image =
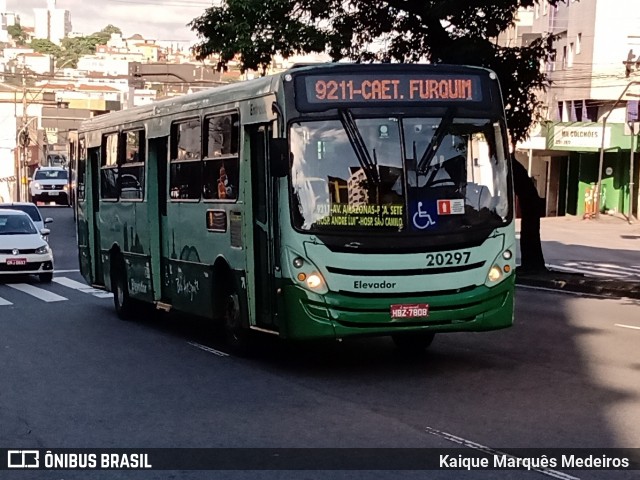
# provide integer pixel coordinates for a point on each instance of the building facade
(52, 23)
(586, 107)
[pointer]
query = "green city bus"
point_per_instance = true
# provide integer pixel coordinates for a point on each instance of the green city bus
(325, 201)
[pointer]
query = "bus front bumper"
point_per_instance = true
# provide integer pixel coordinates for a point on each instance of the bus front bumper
(312, 316)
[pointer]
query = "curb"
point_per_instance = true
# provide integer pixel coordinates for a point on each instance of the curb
(571, 282)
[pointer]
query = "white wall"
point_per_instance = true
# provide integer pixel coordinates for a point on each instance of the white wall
(8, 128)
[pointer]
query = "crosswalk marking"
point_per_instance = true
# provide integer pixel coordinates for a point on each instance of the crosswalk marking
(40, 293)
(67, 282)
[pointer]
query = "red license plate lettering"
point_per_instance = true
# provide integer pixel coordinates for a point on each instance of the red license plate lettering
(417, 310)
(16, 261)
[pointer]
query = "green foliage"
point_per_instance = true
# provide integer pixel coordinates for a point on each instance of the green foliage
(74, 48)
(104, 35)
(18, 34)
(440, 31)
(42, 45)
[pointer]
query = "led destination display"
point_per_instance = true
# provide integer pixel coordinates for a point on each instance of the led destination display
(359, 89)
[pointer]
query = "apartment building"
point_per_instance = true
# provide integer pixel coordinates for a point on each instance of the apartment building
(590, 86)
(52, 23)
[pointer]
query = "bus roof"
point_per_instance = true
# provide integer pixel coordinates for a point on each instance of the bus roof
(261, 86)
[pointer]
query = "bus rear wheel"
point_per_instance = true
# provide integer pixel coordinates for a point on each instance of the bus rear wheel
(413, 342)
(121, 300)
(236, 333)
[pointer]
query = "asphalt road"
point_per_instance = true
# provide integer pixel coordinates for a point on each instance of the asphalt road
(567, 375)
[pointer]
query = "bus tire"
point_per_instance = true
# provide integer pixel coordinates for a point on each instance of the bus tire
(234, 321)
(415, 342)
(121, 300)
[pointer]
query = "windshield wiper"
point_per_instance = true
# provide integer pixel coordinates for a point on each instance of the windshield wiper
(360, 149)
(434, 144)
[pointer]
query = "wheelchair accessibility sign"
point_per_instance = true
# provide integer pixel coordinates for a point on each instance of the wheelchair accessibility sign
(423, 217)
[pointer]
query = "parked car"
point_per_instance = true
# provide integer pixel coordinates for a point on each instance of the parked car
(23, 249)
(30, 209)
(50, 184)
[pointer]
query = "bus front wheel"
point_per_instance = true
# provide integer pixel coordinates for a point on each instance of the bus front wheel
(413, 342)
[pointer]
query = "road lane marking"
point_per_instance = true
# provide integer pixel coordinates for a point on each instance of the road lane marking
(82, 287)
(208, 349)
(627, 326)
(5, 302)
(39, 293)
(66, 271)
(492, 451)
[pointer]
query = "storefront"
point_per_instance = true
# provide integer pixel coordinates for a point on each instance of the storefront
(568, 167)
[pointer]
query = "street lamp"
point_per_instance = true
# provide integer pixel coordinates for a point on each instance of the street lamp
(604, 125)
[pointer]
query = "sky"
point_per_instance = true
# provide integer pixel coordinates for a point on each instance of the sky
(159, 19)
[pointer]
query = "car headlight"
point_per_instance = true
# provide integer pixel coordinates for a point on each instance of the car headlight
(36, 185)
(42, 250)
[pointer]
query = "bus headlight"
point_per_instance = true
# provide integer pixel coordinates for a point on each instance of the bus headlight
(507, 254)
(314, 281)
(305, 274)
(495, 274)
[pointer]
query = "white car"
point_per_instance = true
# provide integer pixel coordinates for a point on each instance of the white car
(23, 249)
(50, 184)
(31, 210)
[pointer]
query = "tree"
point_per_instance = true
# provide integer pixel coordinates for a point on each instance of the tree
(18, 34)
(42, 45)
(103, 36)
(74, 48)
(440, 31)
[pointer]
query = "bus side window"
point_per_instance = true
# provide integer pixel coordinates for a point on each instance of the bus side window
(221, 164)
(131, 180)
(185, 176)
(109, 168)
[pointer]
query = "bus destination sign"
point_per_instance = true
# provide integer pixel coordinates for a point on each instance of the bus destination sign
(364, 89)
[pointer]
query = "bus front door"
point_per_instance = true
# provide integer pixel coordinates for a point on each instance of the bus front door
(264, 203)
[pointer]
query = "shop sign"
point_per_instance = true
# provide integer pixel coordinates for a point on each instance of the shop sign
(580, 137)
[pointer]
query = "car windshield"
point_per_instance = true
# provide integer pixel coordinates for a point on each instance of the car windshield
(16, 225)
(398, 174)
(30, 210)
(50, 175)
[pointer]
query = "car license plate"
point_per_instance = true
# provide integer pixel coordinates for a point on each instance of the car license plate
(16, 261)
(416, 310)
(53, 192)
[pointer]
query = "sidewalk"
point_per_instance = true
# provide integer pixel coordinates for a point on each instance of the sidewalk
(600, 257)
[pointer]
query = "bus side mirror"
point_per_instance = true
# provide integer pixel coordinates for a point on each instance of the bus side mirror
(279, 156)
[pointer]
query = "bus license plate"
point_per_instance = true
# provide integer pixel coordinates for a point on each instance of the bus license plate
(410, 311)
(16, 261)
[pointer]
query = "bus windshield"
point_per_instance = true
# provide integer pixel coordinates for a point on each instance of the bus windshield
(398, 174)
